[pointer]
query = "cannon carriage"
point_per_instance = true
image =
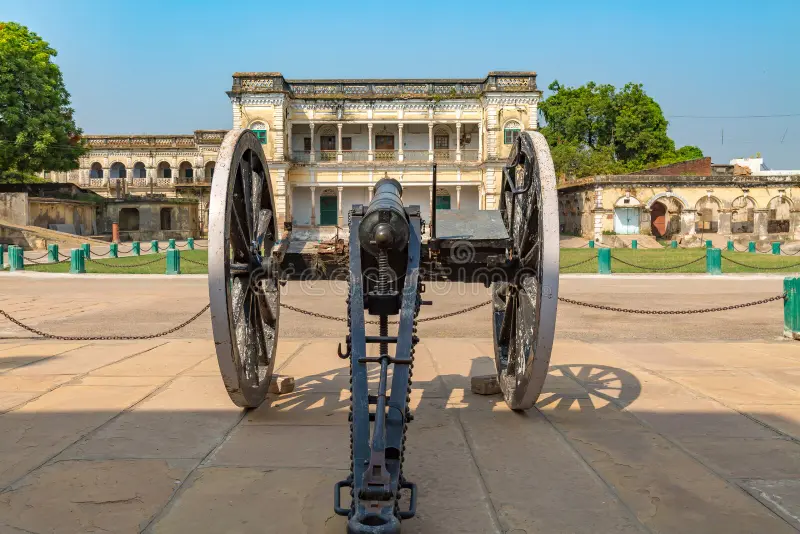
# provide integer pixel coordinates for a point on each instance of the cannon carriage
(514, 250)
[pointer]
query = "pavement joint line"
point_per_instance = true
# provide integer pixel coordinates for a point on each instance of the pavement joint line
(679, 446)
(191, 474)
(6, 371)
(91, 432)
(498, 526)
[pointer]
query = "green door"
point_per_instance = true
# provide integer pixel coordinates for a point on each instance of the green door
(442, 202)
(328, 212)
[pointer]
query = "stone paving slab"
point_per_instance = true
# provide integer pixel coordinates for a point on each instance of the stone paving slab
(644, 437)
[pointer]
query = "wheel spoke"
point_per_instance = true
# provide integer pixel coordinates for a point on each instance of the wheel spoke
(247, 189)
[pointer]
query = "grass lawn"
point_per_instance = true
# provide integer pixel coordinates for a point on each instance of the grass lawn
(659, 259)
(132, 264)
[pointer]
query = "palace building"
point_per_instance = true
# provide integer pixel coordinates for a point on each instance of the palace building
(328, 141)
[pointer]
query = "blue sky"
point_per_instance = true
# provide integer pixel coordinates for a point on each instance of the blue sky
(164, 66)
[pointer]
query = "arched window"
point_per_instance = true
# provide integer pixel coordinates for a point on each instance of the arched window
(742, 215)
(260, 129)
(209, 170)
(441, 138)
(96, 170)
(139, 170)
(511, 132)
(442, 199)
(707, 218)
(164, 170)
(778, 216)
(118, 170)
(185, 171)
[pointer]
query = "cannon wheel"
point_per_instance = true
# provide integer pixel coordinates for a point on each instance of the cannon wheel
(524, 306)
(242, 274)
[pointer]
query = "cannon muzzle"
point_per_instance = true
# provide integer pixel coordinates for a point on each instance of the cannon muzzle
(385, 223)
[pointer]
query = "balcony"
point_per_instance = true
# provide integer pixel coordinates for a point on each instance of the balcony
(416, 155)
(355, 155)
(326, 155)
(301, 156)
(386, 155)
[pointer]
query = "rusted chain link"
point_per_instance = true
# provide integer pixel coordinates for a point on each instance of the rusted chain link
(587, 260)
(780, 267)
(99, 255)
(194, 261)
(36, 258)
(658, 268)
(103, 338)
(671, 312)
(124, 251)
(126, 265)
(344, 319)
(795, 253)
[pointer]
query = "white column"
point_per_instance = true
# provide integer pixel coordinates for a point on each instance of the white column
(370, 188)
(400, 138)
(458, 141)
(340, 218)
(480, 141)
(370, 153)
(431, 201)
(289, 139)
(339, 147)
(458, 197)
(313, 207)
(313, 156)
(430, 141)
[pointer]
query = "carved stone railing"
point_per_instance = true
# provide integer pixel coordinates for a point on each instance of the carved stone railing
(301, 156)
(355, 155)
(416, 155)
(469, 154)
(386, 155)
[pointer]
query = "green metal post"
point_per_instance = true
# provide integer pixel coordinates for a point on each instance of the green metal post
(173, 261)
(776, 248)
(674, 244)
(791, 308)
(136, 248)
(52, 253)
(709, 244)
(751, 246)
(2, 254)
(113, 251)
(730, 246)
(591, 243)
(77, 261)
(154, 245)
(171, 244)
(604, 261)
(713, 261)
(190, 243)
(86, 250)
(17, 259)
(634, 244)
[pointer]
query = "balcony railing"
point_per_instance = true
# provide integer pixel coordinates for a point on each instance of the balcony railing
(386, 155)
(469, 154)
(355, 155)
(326, 155)
(444, 155)
(301, 156)
(415, 155)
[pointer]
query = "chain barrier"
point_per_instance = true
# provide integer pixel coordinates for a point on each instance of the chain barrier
(603, 307)
(587, 260)
(424, 319)
(126, 265)
(795, 253)
(780, 267)
(658, 268)
(124, 251)
(37, 258)
(99, 255)
(103, 338)
(194, 261)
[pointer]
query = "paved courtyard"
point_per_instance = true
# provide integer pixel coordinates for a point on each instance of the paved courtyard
(686, 424)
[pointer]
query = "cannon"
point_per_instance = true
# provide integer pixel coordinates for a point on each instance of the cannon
(514, 250)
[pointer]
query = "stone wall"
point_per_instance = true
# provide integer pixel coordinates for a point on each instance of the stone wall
(14, 207)
(695, 167)
(144, 220)
(63, 215)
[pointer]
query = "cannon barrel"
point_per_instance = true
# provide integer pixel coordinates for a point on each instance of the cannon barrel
(385, 223)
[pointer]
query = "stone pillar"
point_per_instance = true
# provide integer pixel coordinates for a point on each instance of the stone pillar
(458, 197)
(688, 220)
(760, 219)
(370, 152)
(289, 139)
(458, 141)
(313, 156)
(340, 218)
(400, 142)
(369, 194)
(724, 222)
(794, 223)
(480, 141)
(339, 146)
(430, 141)
(313, 206)
(106, 175)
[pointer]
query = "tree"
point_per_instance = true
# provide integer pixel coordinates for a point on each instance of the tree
(595, 129)
(37, 129)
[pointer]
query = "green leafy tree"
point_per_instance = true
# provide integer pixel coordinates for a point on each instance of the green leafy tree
(595, 129)
(37, 129)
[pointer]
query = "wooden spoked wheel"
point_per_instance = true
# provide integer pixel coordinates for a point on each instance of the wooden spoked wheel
(242, 273)
(524, 306)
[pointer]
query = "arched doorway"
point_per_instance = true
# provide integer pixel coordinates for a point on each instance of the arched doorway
(658, 219)
(186, 171)
(209, 171)
(96, 171)
(742, 215)
(328, 208)
(129, 219)
(627, 215)
(164, 170)
(707, 221)
(118, 170)
(442, 199)
(139, 170)
(778, 215)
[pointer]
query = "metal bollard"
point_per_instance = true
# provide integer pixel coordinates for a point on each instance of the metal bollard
(77, 261)
(113, 251)
(136, 248)
(173, 261)
(674, 244)
(713, 261)
(86, 250)
(709, 244)
(791, 308)
(171, 244)
(730, 246)
(52, 253)
(2, 255)
(604, 261)
(16, 258)
(751, 246)
(154, 245)
(634, 244)
(776, 248)
(190, 243)
(591, 243)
